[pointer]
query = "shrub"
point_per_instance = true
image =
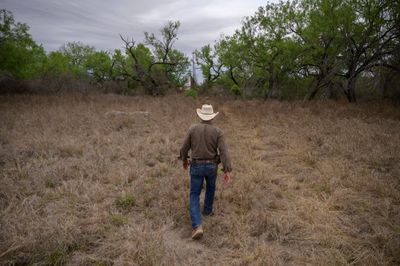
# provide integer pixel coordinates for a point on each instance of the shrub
(191, 93)
(235, 90)
(126, 202)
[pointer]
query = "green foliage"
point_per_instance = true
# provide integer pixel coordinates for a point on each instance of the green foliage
(126, 201)
(59, 256)
(20, 56)
(78, 55)
(56, 63)
(235, 89)
(161, 48)
(156, 65)
(98, 64)
(191, 93)
(173, 63)
(50, 183)
(294, 88)
(118, 62)
(210, 66)
(79, 59)
(290, 49)
(144, 55)
(324, 44)
(179, 73)
(232, 55)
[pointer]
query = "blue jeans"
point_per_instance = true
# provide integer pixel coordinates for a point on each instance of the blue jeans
(199, 172)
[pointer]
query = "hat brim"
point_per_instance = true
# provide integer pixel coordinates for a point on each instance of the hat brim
(205, 117)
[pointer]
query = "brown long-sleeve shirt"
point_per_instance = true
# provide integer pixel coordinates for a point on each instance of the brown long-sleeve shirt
(206, 142)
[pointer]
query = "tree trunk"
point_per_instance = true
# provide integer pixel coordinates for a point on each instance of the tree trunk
(332, 91)
(232, 76)
(386, 83)
(314, 90)
(271, 82)
(351, 89)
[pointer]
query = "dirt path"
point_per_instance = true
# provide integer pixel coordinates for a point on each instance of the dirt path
(185, 250)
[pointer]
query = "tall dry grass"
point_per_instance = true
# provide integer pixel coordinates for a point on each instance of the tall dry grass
(94, 180)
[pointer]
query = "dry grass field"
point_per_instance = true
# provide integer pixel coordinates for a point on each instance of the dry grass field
(94, 180)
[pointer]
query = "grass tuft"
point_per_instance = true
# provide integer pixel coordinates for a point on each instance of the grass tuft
(126, 201)
(118, 220)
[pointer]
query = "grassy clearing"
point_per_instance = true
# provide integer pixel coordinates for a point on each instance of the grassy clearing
(94, 180)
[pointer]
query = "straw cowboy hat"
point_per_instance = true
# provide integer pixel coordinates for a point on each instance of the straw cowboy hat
(206, 113)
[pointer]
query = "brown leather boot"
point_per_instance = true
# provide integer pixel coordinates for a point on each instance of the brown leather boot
(197, 233)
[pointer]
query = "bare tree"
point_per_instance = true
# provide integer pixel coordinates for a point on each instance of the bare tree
(163, 63)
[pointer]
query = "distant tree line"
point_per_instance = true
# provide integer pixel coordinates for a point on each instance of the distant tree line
(309, 48)
(301, 49)
(153, 65)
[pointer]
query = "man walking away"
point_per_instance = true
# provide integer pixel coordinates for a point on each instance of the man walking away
(207, 146)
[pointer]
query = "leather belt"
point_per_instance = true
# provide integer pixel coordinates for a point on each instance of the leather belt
(203, 161)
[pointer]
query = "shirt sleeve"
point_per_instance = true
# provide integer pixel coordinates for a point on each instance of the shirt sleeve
(183, 154)
(223, 152)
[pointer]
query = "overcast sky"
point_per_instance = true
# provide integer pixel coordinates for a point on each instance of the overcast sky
(99, 22)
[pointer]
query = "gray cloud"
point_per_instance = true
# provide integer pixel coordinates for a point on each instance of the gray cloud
(99, 23)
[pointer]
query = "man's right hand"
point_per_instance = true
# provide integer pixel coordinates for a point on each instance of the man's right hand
(186, 164)
(227, 177)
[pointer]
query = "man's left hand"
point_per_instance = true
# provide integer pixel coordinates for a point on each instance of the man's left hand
(227, 177)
